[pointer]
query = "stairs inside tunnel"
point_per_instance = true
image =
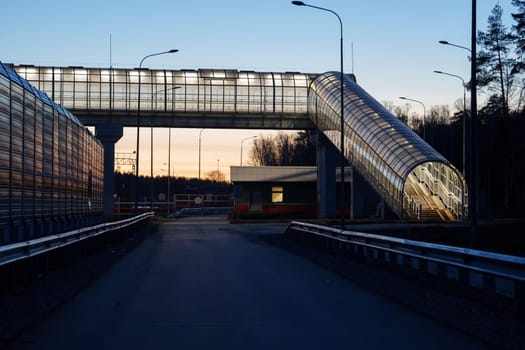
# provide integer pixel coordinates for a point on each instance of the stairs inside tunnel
(429, 206)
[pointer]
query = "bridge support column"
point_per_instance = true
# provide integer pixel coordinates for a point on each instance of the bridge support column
(326, 184)
(109, 134)
(367, 204)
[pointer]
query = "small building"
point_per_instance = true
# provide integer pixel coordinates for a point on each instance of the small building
(293, 192)
(274, 191)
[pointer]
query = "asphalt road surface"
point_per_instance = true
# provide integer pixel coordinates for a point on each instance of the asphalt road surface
(202, 283)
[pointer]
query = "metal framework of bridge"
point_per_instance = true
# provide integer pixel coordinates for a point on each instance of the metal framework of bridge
(178, 98)
(409, 174)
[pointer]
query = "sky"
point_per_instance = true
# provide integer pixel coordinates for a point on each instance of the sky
(391, 46)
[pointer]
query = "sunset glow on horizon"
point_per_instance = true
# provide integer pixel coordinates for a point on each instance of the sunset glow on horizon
(222, 144)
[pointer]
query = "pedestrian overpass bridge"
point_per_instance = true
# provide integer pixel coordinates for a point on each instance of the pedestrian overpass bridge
(415, 181)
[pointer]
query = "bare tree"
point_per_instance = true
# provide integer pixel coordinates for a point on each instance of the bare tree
(216, 175)
(263, 152)
(439, 114)
(283, 149)
(396, 110)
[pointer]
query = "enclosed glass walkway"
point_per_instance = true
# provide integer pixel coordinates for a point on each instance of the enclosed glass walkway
(414, 179)
(202, 98)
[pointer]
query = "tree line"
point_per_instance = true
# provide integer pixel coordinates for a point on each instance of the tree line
(125, 186)
(284, 149)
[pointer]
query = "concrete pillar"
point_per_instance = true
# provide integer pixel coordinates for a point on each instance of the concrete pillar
(327, 156)
(366, 202)
(109, 134)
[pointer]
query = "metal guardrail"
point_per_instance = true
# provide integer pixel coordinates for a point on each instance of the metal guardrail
(201, 211)
(18, 251)
(493, 275)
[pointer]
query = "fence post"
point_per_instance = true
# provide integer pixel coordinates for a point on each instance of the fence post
(441, 276)
(423, 270)
(519, 298)
(381, 257)
(489, 289)
(464, 281)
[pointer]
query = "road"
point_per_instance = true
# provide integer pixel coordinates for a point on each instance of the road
(202, 283)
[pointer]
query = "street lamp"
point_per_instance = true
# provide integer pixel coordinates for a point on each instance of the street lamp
(464, 116)
(474, 156)
(218, 170)
(138, 122)
(473, 130)
(151, 141)
(169, 170)
(424, 113)
(444, 42)
(244, 139)
(342, 200)
(155, 94)
(200, 134)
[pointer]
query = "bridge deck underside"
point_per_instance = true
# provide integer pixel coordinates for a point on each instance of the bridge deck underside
(228, 120)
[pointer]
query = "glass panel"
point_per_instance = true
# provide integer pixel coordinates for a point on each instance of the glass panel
(380, 146)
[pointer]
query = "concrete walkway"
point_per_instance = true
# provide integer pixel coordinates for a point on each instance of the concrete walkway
(202, 283)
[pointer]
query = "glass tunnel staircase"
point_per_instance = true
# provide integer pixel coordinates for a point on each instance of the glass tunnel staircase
(415, 180)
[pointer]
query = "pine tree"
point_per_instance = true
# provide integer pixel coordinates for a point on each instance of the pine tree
(519, 31)
(495, 64)
(519, 38)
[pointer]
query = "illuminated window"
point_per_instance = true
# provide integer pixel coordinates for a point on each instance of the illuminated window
(277, 194)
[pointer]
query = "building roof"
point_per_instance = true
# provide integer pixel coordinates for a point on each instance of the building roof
(278, 173)
(273, 173)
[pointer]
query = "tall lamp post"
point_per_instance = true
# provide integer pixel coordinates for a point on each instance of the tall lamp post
(138, 122)
(169, 171)
(464, 155)
(151, 142)
(244, 139)
(424, 113)
(342, 160)
(473, 132)
(444, 42)
(200, 134)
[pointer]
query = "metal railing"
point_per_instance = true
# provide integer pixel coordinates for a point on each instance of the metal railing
(22, 250)
(204, 90)
(498, 278)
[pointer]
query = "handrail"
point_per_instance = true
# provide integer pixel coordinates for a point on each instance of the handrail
(17, 251)
(488, 265)
(466, 253)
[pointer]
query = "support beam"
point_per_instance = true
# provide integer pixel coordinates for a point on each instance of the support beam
(326, 184)
(109, 134)
(366, 203)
